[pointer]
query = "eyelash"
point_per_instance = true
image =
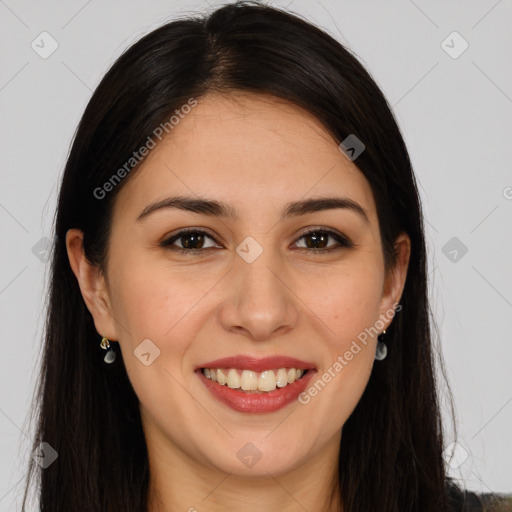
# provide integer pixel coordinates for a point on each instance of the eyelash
(344, 242)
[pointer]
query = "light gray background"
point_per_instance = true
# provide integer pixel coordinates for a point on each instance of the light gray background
(455, 114)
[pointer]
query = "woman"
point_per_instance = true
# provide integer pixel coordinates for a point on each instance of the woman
(238, 314)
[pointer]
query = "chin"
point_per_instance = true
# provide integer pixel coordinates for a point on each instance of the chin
(255, 456)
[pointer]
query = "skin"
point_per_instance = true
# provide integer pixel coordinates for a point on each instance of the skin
(256, 153)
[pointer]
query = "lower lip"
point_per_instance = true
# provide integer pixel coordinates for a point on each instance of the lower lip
(264, 402)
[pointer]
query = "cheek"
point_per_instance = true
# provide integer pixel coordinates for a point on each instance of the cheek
(154, 304)
(347, 301)
(349, 307)
(153, 301)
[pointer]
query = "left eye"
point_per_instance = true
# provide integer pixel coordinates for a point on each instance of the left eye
(316, 240)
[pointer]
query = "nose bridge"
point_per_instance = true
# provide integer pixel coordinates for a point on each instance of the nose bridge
(258, 276)
(259, 303)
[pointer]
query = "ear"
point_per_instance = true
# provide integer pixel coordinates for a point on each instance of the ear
(92, 285)
(395, 279)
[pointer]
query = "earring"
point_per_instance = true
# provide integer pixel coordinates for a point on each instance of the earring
(382, 350)
(110, 356)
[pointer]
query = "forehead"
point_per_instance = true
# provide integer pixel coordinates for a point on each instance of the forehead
(246, 149)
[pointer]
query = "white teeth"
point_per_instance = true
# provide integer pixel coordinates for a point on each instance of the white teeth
(281, 378)
(233, 379)
(267, 381)
(221, 378)
(249, 380)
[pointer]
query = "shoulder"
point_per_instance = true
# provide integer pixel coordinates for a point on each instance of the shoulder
(461, 500)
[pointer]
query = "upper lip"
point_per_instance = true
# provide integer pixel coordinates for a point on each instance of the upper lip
(257, 364)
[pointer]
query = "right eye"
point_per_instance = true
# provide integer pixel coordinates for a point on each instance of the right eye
(191, 240)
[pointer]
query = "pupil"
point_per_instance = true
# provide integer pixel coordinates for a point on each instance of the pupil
(196, 237)
(317, 238)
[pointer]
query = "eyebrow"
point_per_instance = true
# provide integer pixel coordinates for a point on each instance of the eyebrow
(220, 209)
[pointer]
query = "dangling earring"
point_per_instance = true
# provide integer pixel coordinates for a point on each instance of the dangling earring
(382, 350)
(110, 356)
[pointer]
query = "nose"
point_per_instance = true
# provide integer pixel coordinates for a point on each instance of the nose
(261, 304)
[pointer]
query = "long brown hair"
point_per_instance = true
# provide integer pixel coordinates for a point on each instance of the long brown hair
(391, 449)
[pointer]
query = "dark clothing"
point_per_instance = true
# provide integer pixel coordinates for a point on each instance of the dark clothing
(464, 501)
(467, 501)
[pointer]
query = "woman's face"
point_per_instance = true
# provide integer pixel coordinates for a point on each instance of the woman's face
(246, 287)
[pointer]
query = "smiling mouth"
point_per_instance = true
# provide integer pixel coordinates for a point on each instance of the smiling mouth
(253, 382)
